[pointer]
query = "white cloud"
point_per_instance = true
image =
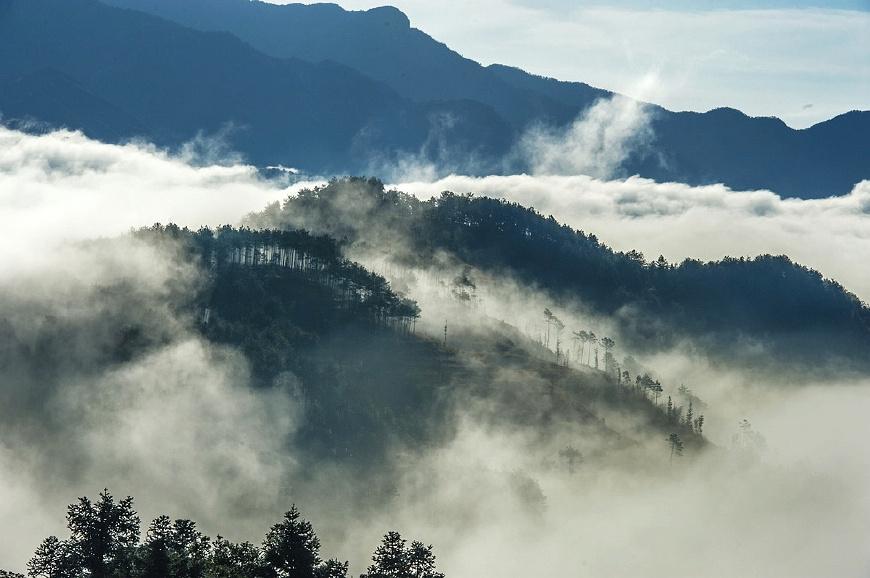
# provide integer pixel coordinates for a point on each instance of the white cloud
(62, 185)
(492, 502)
(179, 427)
(499, 502)
(595, 144)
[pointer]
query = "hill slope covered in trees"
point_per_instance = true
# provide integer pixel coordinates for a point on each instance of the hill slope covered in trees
(768, 309)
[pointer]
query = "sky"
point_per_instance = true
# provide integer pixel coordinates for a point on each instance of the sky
(802, 61)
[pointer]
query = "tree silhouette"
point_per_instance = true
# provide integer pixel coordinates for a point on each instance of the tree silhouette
(291, 549)
(421, 561)
(676, 445)
(52, 559)
(608, 344)
(591, 339)
(178, 550)
(104, 535)
(331, 569)
(580, 337)
(229, 560)
(392, 559)
(572, 457)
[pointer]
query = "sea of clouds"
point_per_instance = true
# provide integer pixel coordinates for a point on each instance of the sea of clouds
(181, 430)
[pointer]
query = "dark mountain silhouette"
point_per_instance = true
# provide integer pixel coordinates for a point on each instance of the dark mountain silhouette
(168, 83)
(722, 145)
(331, 90)
(379, 43)
(48, 98)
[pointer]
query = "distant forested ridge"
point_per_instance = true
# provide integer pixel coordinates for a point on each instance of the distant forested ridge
(339, 92)
(768, 309)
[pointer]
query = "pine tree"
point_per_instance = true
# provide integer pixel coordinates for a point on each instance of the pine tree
(676, 445)
(421, 561)
(52, 559)
(390, 558)
(104, 535)
(291, 549)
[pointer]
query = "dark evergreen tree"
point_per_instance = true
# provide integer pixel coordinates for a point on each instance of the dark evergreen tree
(104, 536)
(676, 445)
(390, 559)
(291, 549)
(52, 559)
(421, 561)
(229, 560)
(331, 569)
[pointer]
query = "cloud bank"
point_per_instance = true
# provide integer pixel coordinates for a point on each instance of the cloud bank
(62, 185)
(180, 428)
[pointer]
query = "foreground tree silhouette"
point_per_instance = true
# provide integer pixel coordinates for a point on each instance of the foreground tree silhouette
(52, 559)
(392, 559)
(104, 535)
(291, 548)
(229, 560)
(175, 550)
(104, 541)
(332, 569)
(421, 561)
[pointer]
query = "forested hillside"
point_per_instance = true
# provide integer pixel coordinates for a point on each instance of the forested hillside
(368, 389)
(308, 319)
(767, 310)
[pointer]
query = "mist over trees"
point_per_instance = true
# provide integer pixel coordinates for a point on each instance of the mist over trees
(767, 311)
(370, 388)
(293, 303)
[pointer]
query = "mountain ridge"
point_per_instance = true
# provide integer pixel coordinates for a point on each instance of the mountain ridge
(349, 92)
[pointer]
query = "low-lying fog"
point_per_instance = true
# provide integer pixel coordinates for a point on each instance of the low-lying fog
(181, 431)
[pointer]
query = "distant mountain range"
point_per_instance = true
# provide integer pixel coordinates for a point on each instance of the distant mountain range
(334, 91)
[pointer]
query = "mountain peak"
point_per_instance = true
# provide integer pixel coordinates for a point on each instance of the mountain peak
(391, 16)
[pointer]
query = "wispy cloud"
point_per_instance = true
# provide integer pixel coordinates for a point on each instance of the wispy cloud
(596, 144)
